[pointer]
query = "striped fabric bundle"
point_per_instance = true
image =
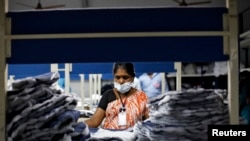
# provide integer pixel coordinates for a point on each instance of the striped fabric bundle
(38, 111)
(184, 115)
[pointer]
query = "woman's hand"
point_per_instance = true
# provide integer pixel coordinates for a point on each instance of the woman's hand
(96, 120)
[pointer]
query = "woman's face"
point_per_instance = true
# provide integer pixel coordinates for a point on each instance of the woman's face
(121, 76)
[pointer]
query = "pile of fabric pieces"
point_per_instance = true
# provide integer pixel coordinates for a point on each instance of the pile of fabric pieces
(37, 110)
(100, 134)
(183, 115)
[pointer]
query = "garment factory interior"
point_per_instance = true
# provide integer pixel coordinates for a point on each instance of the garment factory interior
(85, 79)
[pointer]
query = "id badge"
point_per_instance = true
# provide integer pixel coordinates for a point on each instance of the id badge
(122, 120)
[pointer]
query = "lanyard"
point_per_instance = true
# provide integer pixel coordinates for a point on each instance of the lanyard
(123, 104)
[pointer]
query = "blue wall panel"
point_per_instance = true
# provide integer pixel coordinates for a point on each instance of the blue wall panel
(148, 49)
(117, 20)
(27, 70)
(106, 69)
(189, 49)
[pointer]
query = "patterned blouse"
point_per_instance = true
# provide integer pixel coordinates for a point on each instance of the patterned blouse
(135, 105)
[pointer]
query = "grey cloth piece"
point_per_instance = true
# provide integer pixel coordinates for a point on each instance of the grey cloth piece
(47, 78)
(24, 83)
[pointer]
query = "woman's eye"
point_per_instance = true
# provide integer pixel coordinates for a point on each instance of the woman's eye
(117, 77)
(123, 77)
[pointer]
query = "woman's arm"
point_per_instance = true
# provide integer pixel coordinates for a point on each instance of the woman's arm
(96, 119)
(146, 115)
(146, 109)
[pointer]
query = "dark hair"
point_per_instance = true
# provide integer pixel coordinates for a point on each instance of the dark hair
(129, 67)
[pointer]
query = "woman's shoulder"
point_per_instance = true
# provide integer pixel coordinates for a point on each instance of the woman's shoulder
(108, 92)
(142, 94)
(109, 95)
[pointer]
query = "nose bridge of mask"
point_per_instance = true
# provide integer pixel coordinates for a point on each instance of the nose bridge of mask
(126, 84)
(122, 84)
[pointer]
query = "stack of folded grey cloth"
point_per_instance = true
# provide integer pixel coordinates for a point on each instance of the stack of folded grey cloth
(183, 115)
(38, 111)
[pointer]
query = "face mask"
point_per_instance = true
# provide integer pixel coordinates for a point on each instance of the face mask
(123, 88)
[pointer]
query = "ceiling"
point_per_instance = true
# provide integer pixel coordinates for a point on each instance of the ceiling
(105, 3)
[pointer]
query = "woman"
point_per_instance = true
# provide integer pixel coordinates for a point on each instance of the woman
(122, 106)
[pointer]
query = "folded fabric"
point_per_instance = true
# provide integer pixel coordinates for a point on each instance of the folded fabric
(105, 139)
(47, 78)
(67, 118)
(28, 82)
(38, 111)
(20, 84)
(42, 114)
(114, 135)
(183, 115)
(81, 132)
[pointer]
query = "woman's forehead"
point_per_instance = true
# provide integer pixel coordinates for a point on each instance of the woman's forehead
(121, 71)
